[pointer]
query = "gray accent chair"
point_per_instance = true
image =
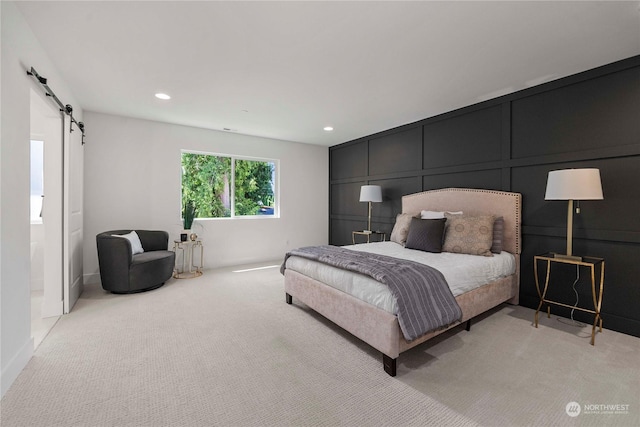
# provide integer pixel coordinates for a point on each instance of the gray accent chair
(124, 273)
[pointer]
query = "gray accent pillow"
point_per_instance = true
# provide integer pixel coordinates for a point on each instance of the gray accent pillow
(426, 234)
(498, 235)
(401, 228)
(467, 234)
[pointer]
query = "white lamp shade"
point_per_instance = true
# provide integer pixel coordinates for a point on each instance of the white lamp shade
(370, 193)
(574, 184)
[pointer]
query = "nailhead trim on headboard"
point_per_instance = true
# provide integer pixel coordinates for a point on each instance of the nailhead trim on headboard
(517, 205)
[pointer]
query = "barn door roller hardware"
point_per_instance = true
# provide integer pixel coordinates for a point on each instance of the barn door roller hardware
(67, 109)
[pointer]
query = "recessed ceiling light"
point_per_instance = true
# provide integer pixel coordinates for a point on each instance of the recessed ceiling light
(328, 128)
(162, 96)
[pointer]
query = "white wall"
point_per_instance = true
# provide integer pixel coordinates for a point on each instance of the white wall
(133, 180)
(19, 50)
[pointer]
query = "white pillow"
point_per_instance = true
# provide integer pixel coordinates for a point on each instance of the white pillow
(436, 214)
(136, 244)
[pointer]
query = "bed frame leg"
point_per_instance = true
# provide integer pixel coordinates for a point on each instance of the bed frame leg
(288, 298)
(389, 365)
(468, 327)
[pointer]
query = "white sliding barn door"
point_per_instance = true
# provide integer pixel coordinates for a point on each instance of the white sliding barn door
(73, 213)
(62, 211)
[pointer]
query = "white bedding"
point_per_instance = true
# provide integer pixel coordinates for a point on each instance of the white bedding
(462, 272)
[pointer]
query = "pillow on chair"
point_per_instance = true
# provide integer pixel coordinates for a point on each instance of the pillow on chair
(136, 244)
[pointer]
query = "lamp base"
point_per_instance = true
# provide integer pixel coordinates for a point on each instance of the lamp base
(568, 257)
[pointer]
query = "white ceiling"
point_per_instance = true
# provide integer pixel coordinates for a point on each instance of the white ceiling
(285, 70)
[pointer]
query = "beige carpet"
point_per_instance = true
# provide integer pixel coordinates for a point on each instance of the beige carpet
(225, 349)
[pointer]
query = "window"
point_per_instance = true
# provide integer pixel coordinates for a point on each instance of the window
(227, 186)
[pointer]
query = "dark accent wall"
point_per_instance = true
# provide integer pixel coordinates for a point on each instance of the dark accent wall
(591, 119)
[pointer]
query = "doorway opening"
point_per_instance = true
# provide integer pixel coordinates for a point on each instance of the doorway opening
(40, 326)
(46, 226)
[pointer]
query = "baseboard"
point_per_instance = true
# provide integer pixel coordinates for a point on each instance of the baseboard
(76, 290)
(15, 366)
(91, 279)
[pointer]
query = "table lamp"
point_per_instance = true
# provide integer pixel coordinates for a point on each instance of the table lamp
(573, 184)
(370, 193)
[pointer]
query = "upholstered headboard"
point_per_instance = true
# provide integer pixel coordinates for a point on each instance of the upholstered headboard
(473, 201)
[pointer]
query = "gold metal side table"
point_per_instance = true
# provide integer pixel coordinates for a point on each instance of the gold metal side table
(592, 264)
(187, 250)
(382, 236)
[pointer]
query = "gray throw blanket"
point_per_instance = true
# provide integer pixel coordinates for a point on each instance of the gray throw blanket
(425, 302)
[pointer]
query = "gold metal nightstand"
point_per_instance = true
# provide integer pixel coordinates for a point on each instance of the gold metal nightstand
(596, 291)
(382, 238)
(189, 268)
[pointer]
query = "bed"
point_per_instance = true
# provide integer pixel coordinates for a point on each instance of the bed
(379, 327)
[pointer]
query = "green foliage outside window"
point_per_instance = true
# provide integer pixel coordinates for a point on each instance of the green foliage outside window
(254, 190)
(207, 181)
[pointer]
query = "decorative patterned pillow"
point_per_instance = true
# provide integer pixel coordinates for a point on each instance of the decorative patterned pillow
(466, 234)
(401, 228)
(498, 235)
(426, 234)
